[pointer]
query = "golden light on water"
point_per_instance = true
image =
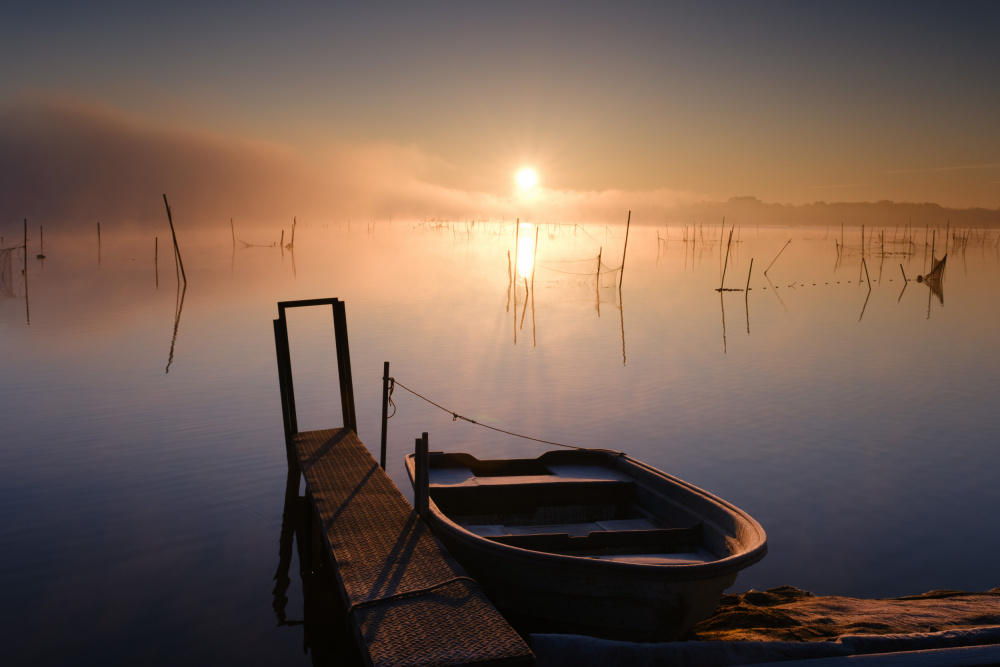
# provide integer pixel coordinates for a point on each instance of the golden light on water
(525, 250)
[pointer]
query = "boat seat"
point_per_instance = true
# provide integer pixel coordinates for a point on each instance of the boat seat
(660, 538)
(514, 497)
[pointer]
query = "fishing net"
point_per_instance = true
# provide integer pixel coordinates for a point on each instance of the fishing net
(585, 279)
(6, 271)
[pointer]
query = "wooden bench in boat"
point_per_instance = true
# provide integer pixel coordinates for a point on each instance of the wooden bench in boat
(658, 538)
(520, 495)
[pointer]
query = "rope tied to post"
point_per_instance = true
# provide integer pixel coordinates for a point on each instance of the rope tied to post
(392, 386)
(455, 417)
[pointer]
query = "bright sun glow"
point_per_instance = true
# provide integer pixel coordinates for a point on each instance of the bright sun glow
(527, 178)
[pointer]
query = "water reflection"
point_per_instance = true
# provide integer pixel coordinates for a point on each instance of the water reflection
(935, 281)
(178, 309)
(562, 274)
(811, 404)
(326, 632)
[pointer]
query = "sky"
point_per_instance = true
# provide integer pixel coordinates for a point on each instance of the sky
(340, 109)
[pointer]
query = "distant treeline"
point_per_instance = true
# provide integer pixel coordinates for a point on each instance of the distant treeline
(746, 211)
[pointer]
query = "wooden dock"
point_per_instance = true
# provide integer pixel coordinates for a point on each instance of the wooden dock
(409, 601)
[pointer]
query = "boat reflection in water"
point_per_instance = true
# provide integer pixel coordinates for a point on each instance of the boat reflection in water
(589, 541)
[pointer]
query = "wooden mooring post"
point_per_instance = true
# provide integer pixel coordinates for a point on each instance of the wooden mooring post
(409, 602)
(385, 411)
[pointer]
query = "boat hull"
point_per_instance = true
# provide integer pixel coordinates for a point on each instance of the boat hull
(574, 597)
(637, 599)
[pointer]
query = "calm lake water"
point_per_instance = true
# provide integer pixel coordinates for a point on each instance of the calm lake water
(142, 469)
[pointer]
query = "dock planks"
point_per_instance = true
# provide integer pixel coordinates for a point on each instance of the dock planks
(410, 601)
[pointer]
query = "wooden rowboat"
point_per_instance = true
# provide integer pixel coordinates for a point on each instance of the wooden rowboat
(589, 541)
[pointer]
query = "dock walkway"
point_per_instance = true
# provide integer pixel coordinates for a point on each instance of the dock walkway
(409, 601)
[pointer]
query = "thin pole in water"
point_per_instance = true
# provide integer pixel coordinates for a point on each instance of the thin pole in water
(726, 265)
(534, 257)
(621, 275)
(777, 256)
(177, 250)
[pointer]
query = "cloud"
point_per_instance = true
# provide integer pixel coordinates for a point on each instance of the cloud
(964, 167)
(64, 160)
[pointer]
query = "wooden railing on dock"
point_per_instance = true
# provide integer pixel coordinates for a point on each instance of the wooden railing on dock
(409, 601)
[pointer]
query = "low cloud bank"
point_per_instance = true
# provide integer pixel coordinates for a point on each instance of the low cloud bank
(64, 162)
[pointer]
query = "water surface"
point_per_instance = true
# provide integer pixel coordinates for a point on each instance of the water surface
(142, 470)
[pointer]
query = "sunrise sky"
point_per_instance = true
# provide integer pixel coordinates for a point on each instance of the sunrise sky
(433, 108)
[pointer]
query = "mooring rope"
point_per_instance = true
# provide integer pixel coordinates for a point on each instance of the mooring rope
(455, 417)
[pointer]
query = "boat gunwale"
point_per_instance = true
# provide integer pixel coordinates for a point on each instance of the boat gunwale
(733, 563)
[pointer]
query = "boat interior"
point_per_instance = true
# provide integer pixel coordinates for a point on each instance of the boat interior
(572, 503)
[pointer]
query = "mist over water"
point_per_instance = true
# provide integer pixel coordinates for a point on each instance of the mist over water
(142, 470)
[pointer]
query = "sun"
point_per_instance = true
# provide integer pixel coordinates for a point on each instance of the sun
(527, 178)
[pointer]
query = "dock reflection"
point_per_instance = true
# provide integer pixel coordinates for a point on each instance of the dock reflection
(326, 634)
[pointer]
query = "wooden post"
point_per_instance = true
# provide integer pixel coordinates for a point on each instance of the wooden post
(517, 237)
(233, 229)
(27, 306)
(726, 265)
(534, 260)
(777, 256)
(344, 365)
(621, 274)
(177, 250)
(421, 478)
(748, 274)
(385, 410)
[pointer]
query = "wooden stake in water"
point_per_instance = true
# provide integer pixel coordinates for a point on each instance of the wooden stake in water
(534, 256)
(517, 238)
(777, 256)
(621, 275)
(233, 229)
(726, 265)
(177, 250)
